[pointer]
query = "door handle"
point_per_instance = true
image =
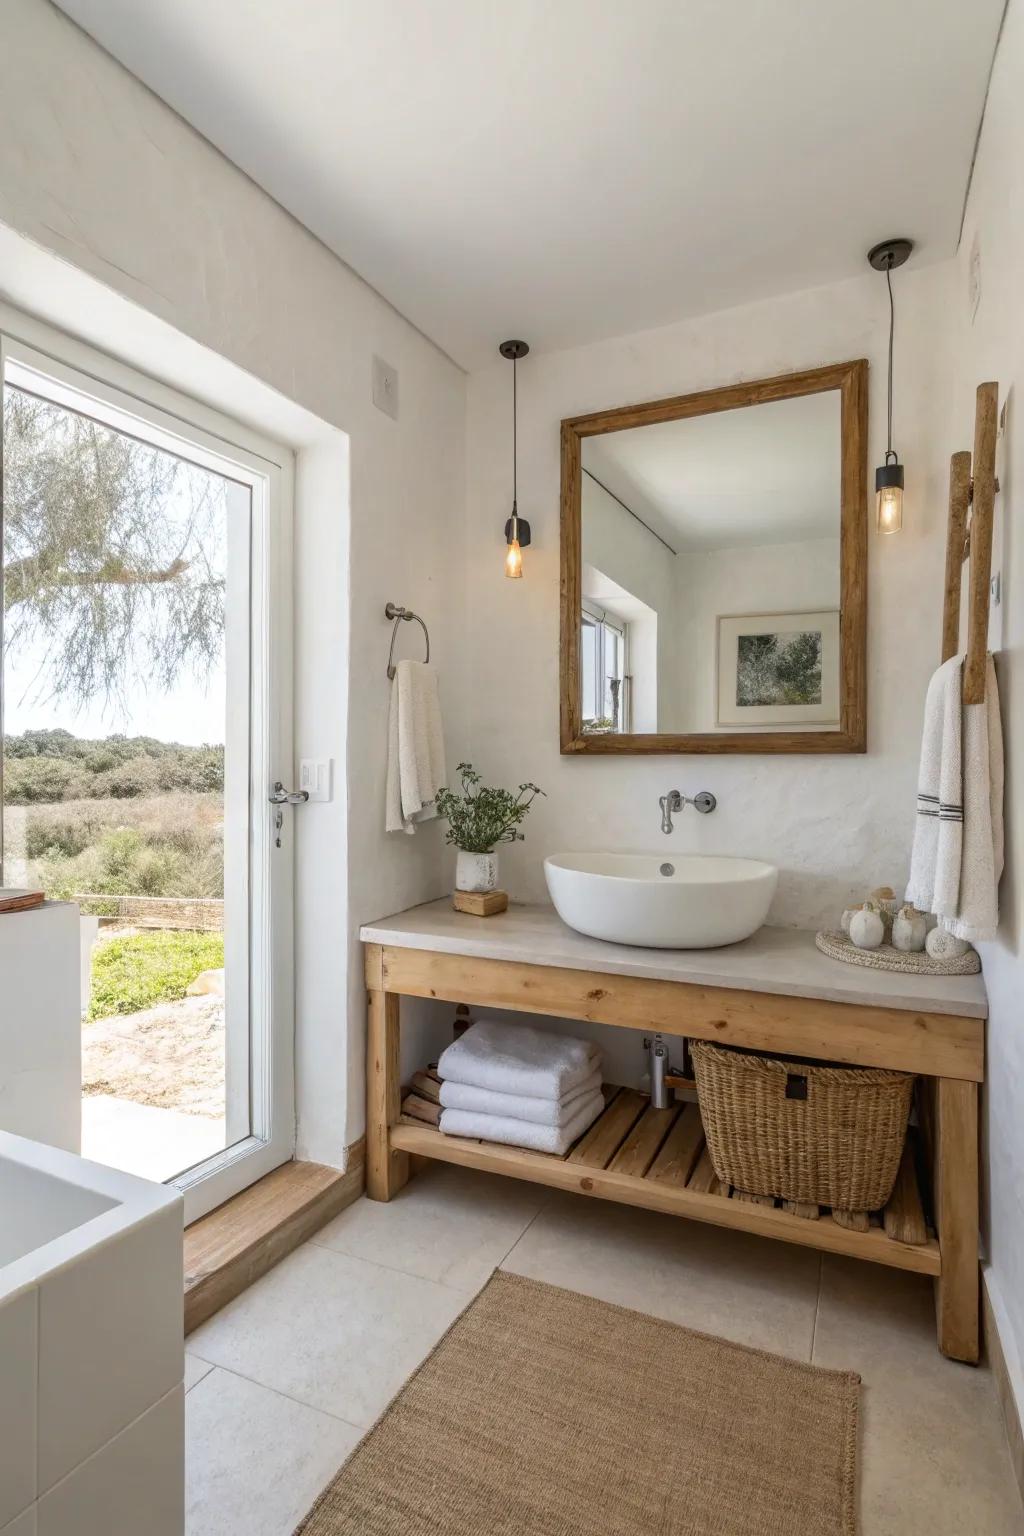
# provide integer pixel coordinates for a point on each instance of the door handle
(281, 796)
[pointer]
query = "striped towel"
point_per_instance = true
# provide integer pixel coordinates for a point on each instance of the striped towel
(957, 856)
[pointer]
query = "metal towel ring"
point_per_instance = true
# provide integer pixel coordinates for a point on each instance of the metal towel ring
(398, 613)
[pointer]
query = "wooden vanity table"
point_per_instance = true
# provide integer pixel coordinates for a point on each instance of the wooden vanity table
(775, 992)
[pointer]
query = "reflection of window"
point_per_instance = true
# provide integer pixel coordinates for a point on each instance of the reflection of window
(604, 647)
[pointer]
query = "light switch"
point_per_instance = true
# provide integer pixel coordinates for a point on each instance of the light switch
(315, 777)
(385, 387)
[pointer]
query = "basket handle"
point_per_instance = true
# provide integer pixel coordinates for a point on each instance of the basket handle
(796, 1085)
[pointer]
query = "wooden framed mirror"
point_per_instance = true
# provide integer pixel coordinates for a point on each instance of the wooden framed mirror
(714, 570)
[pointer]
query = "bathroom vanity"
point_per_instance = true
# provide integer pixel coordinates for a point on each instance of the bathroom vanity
(775, 992)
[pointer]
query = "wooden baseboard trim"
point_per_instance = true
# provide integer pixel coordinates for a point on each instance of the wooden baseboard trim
(226, 1250)
(1004, 1387)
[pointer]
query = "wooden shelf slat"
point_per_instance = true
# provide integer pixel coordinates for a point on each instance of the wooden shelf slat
(680, 1150)
(541, 1168)
(657, 1159)
(598, 1146)
(640, 1147)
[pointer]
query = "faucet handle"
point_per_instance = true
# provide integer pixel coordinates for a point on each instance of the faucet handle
(704, 802)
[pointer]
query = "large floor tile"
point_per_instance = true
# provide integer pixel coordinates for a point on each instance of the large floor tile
(452, 1225)
(934, 1460)
(255, 1460)
(722, 1282)
(195, 1370)
(330, 1330)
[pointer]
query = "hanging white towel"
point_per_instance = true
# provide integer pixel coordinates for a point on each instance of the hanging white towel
(516, 1058)
(977, 912)
(957, 856)
(938, 832)
(523, 1133)
(415, 747)
(518, 1106)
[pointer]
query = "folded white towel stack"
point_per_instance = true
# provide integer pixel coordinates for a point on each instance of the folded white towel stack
(516, 1084)
(957, 856)
(415, 747)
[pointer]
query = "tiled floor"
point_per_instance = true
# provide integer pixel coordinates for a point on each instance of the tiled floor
(283, 1382)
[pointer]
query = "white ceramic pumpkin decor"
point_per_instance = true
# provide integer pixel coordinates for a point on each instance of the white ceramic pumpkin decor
(945, 946)
(847, 919)
(476, 871)
(884, 898)
(866, 927)
(909, 929)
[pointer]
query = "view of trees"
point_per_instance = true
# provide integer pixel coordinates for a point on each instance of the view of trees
(46, 767)
(110, 555)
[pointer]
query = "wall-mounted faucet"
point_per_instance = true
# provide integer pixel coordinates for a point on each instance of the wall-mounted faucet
(672, 803)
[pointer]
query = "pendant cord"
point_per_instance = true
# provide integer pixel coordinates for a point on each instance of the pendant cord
(892, 328)
(516, 435)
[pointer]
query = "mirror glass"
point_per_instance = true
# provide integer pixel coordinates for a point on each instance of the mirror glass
(711, 572)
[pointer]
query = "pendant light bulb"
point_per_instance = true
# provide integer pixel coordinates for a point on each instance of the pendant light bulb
(517, 529)
(889, 475)
(889, 496)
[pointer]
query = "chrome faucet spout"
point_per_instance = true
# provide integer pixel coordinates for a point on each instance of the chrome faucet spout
(672, 803)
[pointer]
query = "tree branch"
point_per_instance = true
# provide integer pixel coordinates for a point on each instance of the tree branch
(22, 577)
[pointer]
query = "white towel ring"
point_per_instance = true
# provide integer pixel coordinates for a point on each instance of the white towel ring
(398, 613)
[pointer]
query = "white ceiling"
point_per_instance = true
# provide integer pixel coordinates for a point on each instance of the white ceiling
(765, 474)
(585, 168)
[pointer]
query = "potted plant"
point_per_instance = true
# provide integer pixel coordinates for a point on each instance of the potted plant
(479, 818)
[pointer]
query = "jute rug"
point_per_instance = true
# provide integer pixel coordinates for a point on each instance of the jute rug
(544, 1413)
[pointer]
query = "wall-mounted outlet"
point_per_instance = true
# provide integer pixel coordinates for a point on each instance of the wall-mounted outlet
(385, 387)
(315, 774)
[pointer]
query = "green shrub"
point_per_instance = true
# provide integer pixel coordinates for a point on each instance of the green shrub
(148, 968)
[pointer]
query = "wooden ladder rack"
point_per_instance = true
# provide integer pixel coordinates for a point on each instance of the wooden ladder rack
(972, 540)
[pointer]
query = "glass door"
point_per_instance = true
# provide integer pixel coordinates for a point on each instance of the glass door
(146, 714)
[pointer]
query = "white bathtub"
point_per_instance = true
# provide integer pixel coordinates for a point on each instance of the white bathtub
(91, 1348)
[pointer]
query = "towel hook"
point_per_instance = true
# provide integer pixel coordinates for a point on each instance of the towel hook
(398, 613)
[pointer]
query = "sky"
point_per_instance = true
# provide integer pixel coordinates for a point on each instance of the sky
(192, 713)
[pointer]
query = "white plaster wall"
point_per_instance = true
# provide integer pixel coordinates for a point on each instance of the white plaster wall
(760, 578)
(834, 825)
(992, 347)
(621, 549)
(97, 170)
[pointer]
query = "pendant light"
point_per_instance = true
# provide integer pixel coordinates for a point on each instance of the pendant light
(517, 529)
(889, 476)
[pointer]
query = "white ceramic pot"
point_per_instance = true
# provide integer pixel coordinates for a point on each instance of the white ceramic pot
(476, 871)
(909, 929)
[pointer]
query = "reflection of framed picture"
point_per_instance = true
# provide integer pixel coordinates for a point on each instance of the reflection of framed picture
(778, 669)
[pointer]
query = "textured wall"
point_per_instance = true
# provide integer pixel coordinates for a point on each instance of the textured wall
(96, 169)
(991, 346)
(834, 825)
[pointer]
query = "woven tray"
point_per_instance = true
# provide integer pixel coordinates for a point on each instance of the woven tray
(885, 958)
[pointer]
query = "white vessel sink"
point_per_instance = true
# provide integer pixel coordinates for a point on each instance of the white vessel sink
(661, 901)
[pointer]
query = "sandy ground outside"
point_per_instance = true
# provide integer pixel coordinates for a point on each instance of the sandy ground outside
(168, 1057)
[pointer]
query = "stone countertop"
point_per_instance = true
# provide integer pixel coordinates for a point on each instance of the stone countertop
(778, 960)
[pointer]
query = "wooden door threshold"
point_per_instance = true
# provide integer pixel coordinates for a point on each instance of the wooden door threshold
(226, 1250)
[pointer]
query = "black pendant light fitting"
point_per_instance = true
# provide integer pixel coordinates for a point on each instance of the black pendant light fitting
(884, 257)
(517, 529)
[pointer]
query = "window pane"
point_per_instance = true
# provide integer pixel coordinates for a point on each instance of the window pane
(126, 574)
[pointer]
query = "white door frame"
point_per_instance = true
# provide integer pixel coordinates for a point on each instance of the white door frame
(133, 403)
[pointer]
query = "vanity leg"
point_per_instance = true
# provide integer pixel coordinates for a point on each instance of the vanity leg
(386, 1169)
(955, 1133)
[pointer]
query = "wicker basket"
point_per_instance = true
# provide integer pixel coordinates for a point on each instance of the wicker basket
(817, 1134)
